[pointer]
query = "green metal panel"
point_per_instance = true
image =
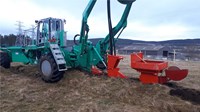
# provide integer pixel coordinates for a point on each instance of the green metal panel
(24, 55)
(61, 35)
(18, 56)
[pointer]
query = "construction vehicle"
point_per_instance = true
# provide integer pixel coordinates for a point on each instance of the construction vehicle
(52, 56)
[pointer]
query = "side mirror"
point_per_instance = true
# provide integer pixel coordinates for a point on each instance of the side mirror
(36, 21)
(126, 1)
(64, 21)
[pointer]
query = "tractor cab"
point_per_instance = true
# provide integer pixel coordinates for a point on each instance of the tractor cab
(50, 30)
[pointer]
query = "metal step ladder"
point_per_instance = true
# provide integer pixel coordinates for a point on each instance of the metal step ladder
(58, 56)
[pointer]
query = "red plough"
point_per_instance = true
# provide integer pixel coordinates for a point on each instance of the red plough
(150, 70)
(113, 70)
(112, 67)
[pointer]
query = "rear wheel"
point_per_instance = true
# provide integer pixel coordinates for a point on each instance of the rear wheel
(49, 69)
(4, 60)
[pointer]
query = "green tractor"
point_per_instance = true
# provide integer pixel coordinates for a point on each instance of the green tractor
(52, 56)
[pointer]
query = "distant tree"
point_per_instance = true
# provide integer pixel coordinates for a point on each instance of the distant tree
(11, 39)
(8, 40)
(1, 39)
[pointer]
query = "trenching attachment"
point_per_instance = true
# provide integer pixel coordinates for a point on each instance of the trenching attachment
(112, 68)
(150, 70)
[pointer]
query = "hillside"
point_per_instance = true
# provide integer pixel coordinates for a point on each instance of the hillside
(126, 42)
(123, 42)
(188, 47)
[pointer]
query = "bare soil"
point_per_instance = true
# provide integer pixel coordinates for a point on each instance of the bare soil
(22, 90)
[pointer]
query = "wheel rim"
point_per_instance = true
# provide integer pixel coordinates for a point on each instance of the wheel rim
(46, 68)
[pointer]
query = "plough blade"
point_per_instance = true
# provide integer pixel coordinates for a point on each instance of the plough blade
(96, 71)
(113, 62)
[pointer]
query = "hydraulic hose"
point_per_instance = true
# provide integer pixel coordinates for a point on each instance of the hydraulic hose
(111, 39)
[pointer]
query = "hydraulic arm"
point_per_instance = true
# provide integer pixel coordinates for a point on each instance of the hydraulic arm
(85, 27)
(109, 41)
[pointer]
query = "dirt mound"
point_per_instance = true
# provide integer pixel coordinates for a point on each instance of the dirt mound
(23, 90)
(188, 94)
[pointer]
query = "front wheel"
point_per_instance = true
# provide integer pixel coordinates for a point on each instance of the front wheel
(49, 69)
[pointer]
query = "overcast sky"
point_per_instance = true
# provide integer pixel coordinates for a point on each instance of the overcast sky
(150, 20)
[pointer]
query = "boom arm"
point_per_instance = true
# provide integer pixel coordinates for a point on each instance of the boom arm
(85, 27)
(103, 45)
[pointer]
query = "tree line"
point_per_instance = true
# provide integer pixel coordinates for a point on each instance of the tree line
(10, 40)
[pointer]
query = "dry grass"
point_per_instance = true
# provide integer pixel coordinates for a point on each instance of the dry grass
(23, 90)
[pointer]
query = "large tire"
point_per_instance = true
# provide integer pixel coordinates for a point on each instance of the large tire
(49, 69)
(4, 60)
